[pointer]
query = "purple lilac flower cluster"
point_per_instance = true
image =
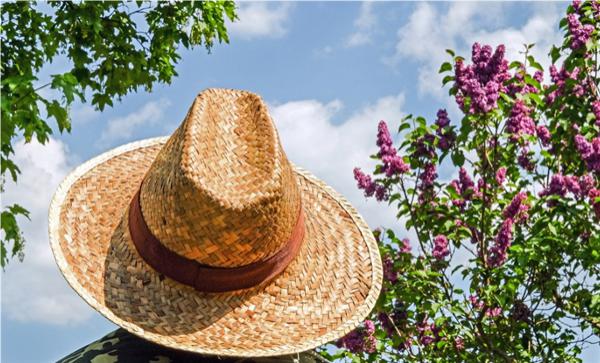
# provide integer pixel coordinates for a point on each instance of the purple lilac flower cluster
(580, 33)
(596, 111)
(405, 248)
(479, 305)
(524, 160)
(515, 212)
(501, 175)
(440, 247)
(370, 187)
(520, 122)
(589, 152)
(518, 84)
(596, 8)
(459, 343)
(517, 209)
(392, 162)
(482, 81)
(446, 136)
(465, 187)
(428, 333)
(360, 340)
(428, 176)
(392, 165)
(543, 134)
(389, 272)
(424, 147)
(502, 241)
(475, 302)
(559, 78)
(581, 187)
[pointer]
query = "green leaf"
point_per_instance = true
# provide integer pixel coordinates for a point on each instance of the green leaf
(447, 79)
(445, 67)
(534, 64)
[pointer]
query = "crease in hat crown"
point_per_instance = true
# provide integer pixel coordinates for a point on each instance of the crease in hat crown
(222, 191)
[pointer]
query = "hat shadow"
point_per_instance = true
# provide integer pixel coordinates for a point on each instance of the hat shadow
(136, 293)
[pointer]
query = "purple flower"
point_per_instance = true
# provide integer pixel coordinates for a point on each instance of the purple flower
(584, 147)
(475, 302)
(544, 134)
(392, 163)
(596, 111)
(364, 182)
(498, 252)
(360, 340)
(467, 187)
(442, 119)
(559, 79)
(370, 187)
(384, 139)
(518, 84)
(589, 151)
(525, 161)
(558, 186)
(596, 8)
(446, 140)
(381, 193)
(586, 183)
(572, 183)
(519, 122)
(580, 34)
(428, 176)
(493, 312)
(424, 146)
(517, 210)
(440, 247)
(459, 343)
(389, 273)
(428, 333)
(501, 175)
(405, 248)
(482, 81)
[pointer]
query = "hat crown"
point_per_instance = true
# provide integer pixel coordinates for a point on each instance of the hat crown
(221, 191)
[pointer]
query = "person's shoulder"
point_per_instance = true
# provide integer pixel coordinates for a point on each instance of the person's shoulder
(121, 346)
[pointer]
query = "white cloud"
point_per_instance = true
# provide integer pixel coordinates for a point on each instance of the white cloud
(430, 31)
(83, 114)
(34, 290)
(261, 19)
(122, 128)
(331, 151)
(364, 26)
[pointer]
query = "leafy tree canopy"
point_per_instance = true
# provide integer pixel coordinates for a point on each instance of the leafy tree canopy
(113, 48)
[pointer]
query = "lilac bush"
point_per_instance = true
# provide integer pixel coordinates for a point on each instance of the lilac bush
(505, 261)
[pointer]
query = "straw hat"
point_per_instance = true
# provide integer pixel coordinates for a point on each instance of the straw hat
(211, 241)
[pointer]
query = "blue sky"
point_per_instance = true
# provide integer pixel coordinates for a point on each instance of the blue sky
(329, 71)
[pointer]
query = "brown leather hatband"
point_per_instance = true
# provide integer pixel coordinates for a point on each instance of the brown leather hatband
(203, 277)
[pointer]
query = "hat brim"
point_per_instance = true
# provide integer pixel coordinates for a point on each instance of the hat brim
(326, 291)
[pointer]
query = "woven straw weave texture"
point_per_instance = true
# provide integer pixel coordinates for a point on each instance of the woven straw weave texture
(324, 293)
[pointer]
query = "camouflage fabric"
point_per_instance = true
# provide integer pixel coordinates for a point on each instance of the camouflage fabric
(120, 346)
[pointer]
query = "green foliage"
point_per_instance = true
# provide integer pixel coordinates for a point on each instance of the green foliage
(114, 48)
(540, 303)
